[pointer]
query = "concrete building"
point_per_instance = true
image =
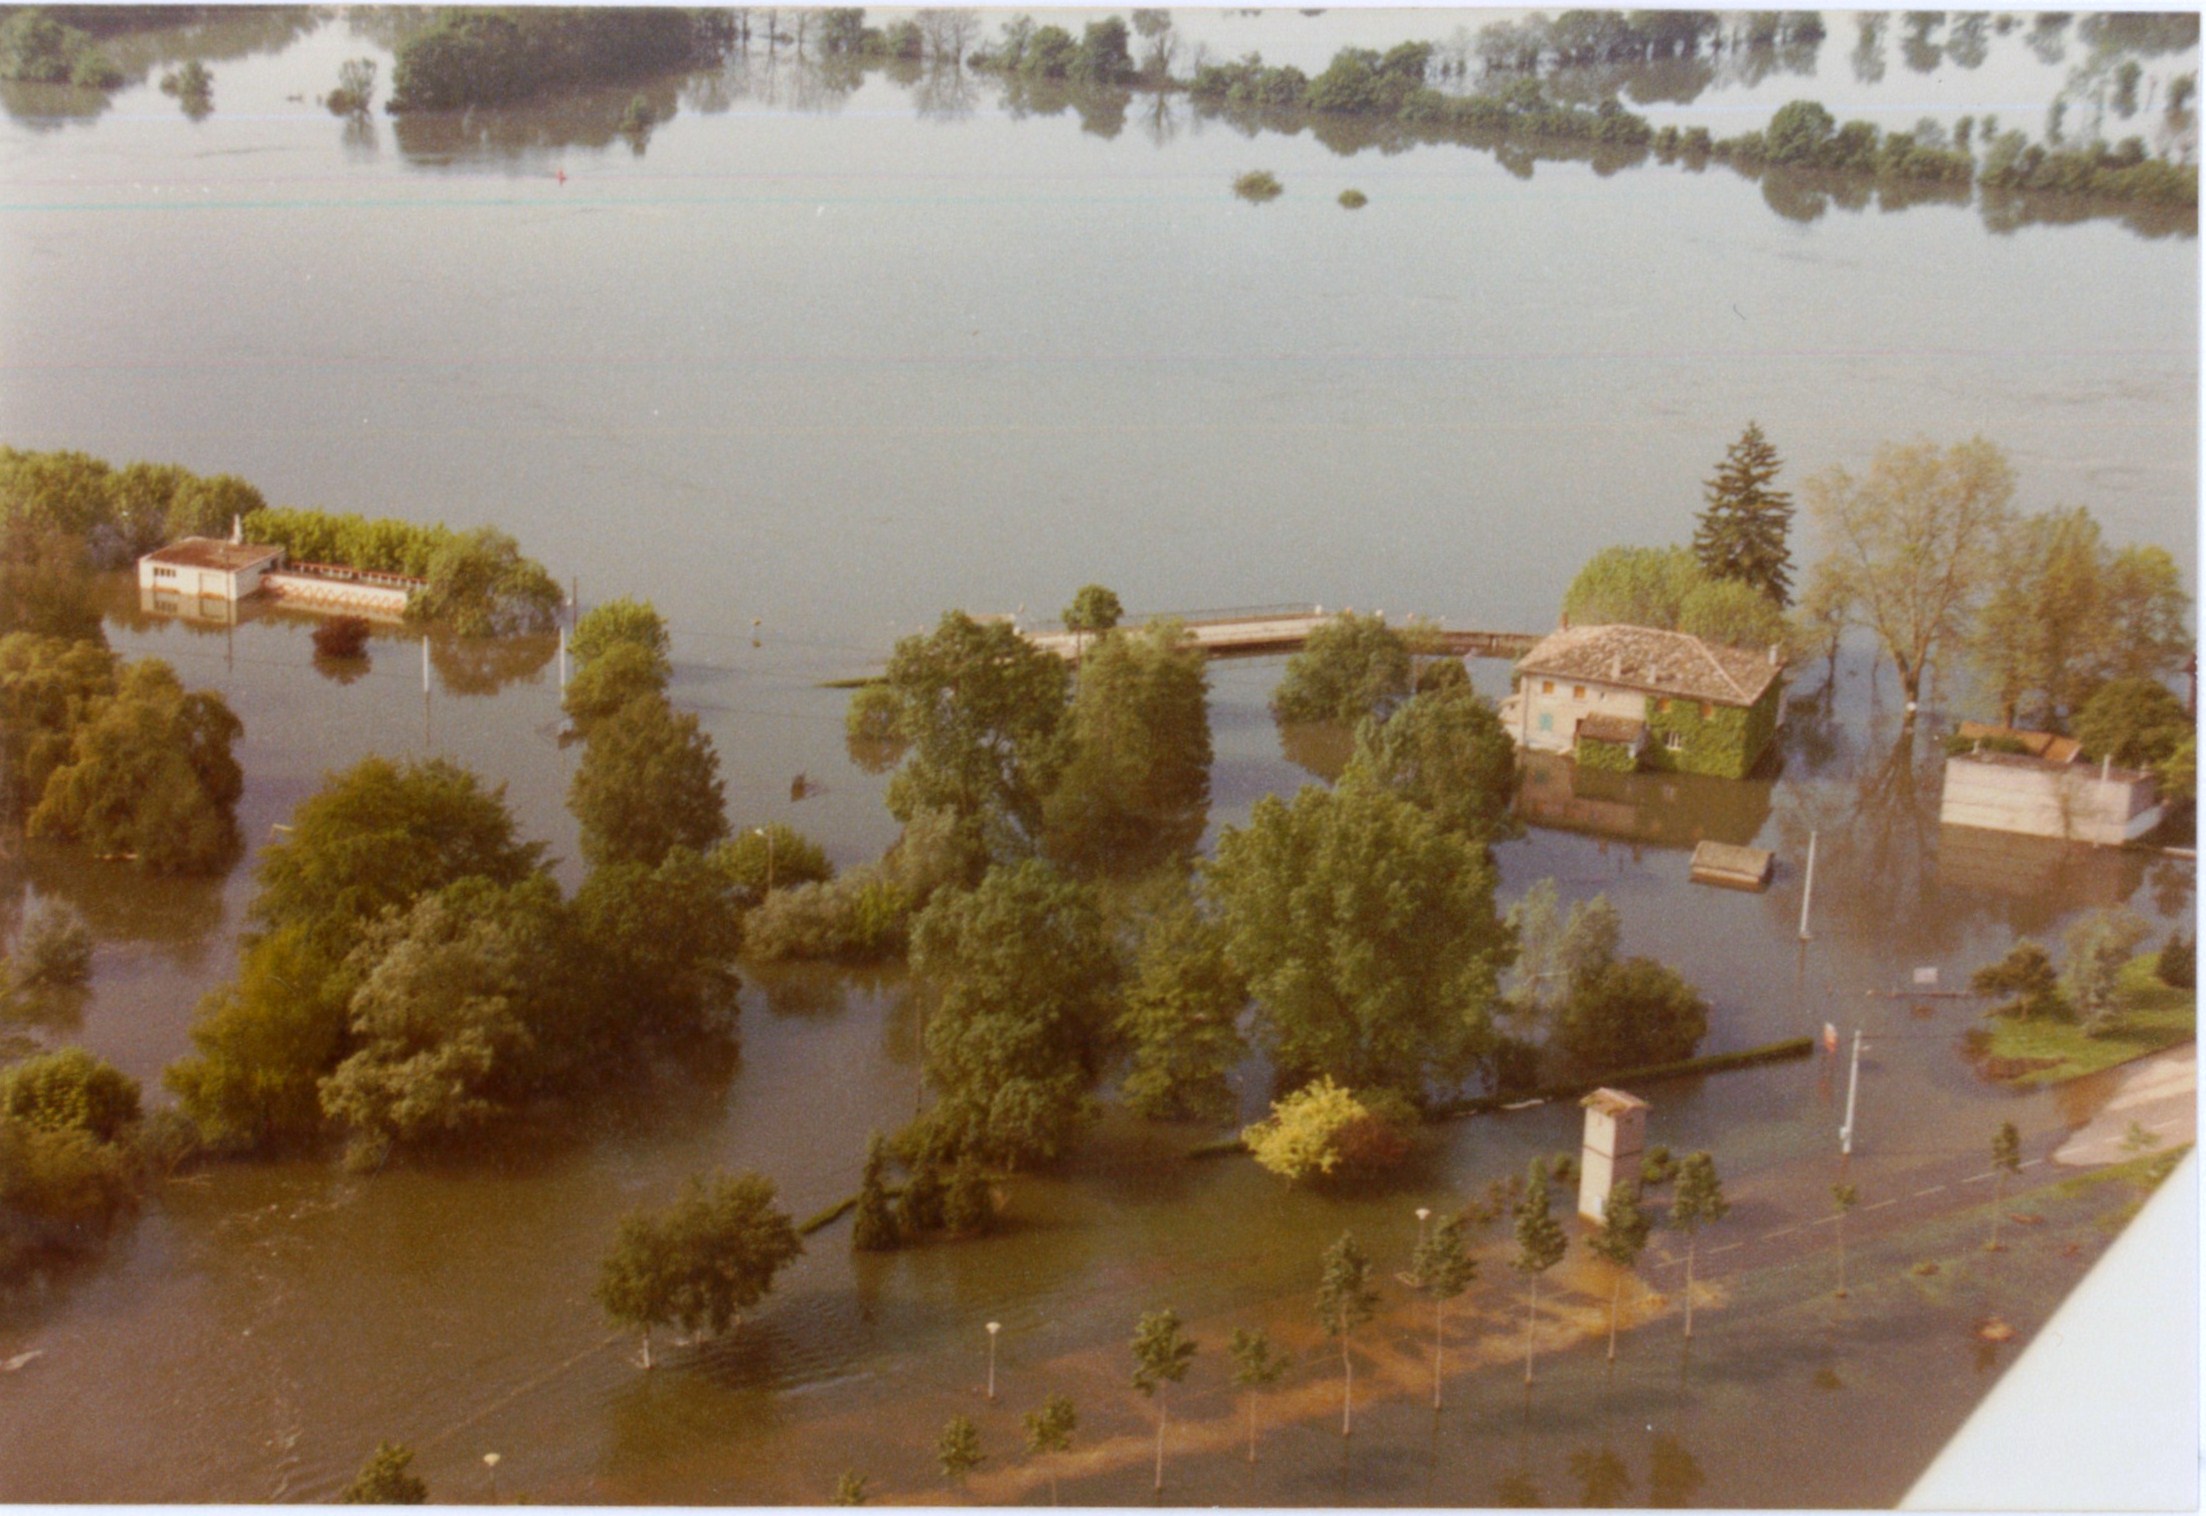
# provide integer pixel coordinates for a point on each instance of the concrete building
(2045, 789)
(1633, 697)
(1616, 1134)
(208, 568)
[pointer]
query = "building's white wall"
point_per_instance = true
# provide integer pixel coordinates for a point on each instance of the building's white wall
(1611, 1152)
(2069, 802)
(1563, 709)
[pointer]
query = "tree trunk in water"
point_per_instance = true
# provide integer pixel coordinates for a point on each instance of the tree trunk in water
(1531, 1305)
(1252, 1429)
(1616, 1299)
(1347, 1388)
(1689, 1247)
(1999, 1201)
(1162, 1413)
(1437, 1330)
(647, 1347)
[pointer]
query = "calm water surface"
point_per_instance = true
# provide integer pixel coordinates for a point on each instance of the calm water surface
(819, 363)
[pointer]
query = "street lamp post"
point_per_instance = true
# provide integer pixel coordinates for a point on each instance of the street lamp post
(490, 1462)
(993, 1328)
(768, 837)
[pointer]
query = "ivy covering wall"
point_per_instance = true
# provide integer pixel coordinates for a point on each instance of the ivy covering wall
(1607, 757)
(1726, 743)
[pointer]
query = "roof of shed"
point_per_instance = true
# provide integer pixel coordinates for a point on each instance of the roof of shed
(215, 553)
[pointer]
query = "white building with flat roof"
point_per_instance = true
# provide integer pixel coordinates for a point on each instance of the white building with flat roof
(208, 568)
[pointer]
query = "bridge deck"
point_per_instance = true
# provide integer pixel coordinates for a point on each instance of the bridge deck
(1246, 636)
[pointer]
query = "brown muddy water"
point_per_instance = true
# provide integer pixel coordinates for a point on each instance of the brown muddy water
(836, 359)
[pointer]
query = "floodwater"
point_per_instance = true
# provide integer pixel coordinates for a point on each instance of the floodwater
(820, 362)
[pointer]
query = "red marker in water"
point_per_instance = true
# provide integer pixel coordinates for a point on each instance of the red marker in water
(562, 176)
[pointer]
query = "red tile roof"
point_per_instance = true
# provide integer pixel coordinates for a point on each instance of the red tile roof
(1661, 663)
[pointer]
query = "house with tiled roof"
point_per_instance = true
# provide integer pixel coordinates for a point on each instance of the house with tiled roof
(1633, 697)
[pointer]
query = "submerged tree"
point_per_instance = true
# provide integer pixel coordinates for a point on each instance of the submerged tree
(1443, 1270)
(2006, 1163)
(958, 1449)
(1699, 1202)
(1540, 1246)
(1844, 1197)
(1256, 1364)
(1049, 1430)
(1351, 667)
(1345, 1301)
(1162, 1354)
(1182, 1014)
(873, 1229)
(386, 1479)
(700, 1263)
(1621, 1238)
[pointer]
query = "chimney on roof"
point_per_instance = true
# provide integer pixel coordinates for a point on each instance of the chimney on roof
(2106, 768)
(1776, 655)
(1565, 622)
(237, 529)
(1616, 667)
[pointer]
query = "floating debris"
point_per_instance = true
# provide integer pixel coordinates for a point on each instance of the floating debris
(1992, 1329)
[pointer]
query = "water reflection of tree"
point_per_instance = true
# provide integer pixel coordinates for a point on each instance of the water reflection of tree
(469, 666)
(1674, 1475)
(1868, 54)
(1917, 50)
(1322, 748)
(945, 94)
(1602, 1478)
(50, 107)
(1876, 847)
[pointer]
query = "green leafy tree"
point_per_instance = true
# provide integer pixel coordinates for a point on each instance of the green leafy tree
(1103, 56)
(53, 951)
(69, 1091)
(649, 782)
(387, 1478)
(1094, 610)
(874, 1228)
(355, 87)
(1908, 547)
(1049, 1430)
(1698, 1202)
(2027, 978)
(1744, 531)
(967, 1207)
(919, 1209)
(659, 941)
(1135, 790)
(850, 1488)
(1558, 956)
(1022, 977)
(1183, 1005)
(702, 1262)
(984, 715)
(1540, 1246)
(623, 672)
(480, 586)
(150, 775)
(46, 583)
(1350, 668)
(1620, 1239)
(1366, 934)
(1345, 1301)
(2098, 948)
(873, 731)
(958, 1449)
(2006, 1163)
(636, 623)
(1632, 1013)
(263, 1043)
(1446, 753)
(450, 1013)
(1634, 586)
(758, 864)
(1162, 1354)
(1443, 1269)
(2176, 965)
(48, 689)
(1844, 1197)
(1256, 1364)
(1732, 613)
(2132, 722)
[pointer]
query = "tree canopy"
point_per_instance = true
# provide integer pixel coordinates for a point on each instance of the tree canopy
(983, 713)
(1135, 789)
(1366, 934)
(1182, 1012)
(1024, 985)
(1910, 545)
(1446, 753)
(1351, 667)
(649, 782)
(703, 1261)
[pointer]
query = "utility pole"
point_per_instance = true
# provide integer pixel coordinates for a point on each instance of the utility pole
(562, 661)
(1807, 891)
(1853, 1086)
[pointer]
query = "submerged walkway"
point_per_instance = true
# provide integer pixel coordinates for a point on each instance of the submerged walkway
(1284, 629)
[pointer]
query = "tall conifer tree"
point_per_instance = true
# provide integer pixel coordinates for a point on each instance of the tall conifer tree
(1743, 532)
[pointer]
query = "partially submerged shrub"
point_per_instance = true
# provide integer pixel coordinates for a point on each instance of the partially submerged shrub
(1324, 1130)
(1354, 199)
(53, 952)
(1258, 186)
(341, 637)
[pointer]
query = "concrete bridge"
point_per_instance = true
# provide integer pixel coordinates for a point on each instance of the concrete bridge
(1258, 630)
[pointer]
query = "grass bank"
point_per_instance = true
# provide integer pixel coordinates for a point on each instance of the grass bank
(2153, 1016)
